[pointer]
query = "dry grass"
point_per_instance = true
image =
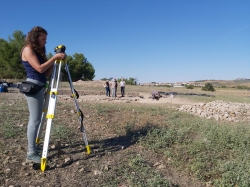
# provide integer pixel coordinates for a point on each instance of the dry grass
(132, 144)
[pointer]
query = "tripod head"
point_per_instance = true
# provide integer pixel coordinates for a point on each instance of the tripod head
(60, 49)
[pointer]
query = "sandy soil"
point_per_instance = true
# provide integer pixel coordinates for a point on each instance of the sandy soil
(136, 97)
(143, 98)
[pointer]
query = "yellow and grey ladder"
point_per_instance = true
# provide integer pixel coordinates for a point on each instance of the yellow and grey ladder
(45, 109)
(50, 104)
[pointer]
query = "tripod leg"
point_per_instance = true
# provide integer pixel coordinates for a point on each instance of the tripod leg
(45, 109)
(79, 112)
(51, 110)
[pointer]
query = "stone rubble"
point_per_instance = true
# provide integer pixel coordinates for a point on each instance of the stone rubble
(219, 110)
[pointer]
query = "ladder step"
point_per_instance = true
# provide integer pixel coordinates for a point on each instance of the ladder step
(50, 116)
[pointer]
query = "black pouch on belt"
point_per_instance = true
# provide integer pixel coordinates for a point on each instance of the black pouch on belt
(29, 88)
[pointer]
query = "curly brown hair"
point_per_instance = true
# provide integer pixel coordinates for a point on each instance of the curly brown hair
(32, 40)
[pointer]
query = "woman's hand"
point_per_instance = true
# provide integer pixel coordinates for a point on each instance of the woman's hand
(59, 56)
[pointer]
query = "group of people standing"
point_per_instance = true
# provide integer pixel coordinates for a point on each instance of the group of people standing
(112, 86)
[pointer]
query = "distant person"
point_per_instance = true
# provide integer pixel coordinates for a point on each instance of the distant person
(113, 88)
(122, 85)
(156, 95)
(107, 88)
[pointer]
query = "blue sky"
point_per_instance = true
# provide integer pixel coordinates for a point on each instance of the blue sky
(150, 40)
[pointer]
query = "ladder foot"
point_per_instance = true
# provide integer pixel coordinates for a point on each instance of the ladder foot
(88, 149)
(37, 140)
(43, 164)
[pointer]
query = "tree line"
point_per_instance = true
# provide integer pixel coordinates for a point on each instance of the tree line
(128, 81)
(11, 65)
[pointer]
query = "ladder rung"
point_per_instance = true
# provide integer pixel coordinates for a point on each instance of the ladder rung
(50, 116)
(53, 93)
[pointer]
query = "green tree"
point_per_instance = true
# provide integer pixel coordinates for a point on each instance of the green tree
(79, 68)
(129, 81)
(49, 55)
(10, 61)
(208, 87)
(11, 65)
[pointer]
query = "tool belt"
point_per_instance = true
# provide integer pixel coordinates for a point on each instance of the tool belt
(29, 88)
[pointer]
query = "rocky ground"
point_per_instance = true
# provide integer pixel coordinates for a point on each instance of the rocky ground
(71, 166)
(219, 110)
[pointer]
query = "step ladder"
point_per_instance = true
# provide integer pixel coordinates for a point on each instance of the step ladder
(50, 106)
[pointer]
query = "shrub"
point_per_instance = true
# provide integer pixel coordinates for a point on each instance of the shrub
(190, 86)
(242, 87)
(208, 87)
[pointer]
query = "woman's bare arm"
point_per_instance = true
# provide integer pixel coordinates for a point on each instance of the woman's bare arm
(29, 55)
(49, 71)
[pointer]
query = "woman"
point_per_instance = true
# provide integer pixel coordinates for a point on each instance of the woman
(106, 86)
(38, 68)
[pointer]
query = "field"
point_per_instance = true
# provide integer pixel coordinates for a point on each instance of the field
(135, 141)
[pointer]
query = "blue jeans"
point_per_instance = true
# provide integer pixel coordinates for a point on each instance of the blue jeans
(107, 91)
(122, 91)
(35, 105)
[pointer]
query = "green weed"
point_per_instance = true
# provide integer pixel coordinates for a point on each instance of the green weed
(8, 131)
(61, 132)
(137, 172)
(213, 151)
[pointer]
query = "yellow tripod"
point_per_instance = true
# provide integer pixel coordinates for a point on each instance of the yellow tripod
(50, 106)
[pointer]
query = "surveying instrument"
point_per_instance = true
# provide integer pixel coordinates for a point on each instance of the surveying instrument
(50, 106)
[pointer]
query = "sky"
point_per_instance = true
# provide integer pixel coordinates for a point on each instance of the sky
(149, 40)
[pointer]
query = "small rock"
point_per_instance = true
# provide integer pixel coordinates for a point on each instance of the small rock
(156, 164)
(97, 172)
(81, 170)
(67, 160)
(24, 163)
(106, 168)
(161, 166)
(8, 170)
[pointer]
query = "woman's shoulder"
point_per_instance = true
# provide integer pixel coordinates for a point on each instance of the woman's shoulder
(27, 49)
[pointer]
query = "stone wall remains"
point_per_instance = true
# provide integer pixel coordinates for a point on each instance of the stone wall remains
(219, 110)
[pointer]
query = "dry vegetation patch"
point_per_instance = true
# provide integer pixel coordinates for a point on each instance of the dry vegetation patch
(115, 128)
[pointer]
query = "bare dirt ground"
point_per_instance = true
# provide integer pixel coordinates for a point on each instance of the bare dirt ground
(71, 166)
(137, 97)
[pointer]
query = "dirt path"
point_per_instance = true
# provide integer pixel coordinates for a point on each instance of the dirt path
(143, 99)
